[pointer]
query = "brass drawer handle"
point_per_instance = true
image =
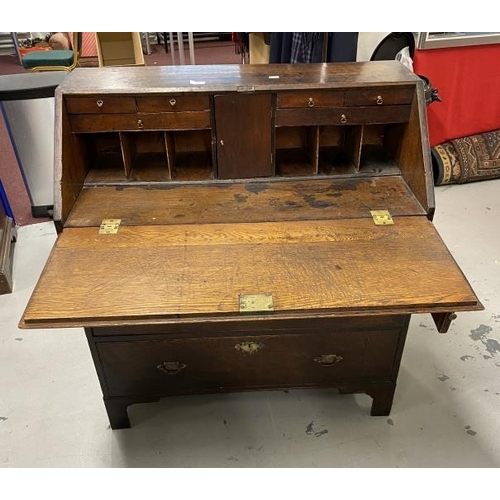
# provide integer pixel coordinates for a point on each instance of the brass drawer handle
(249, 347)
(99, 103)
(173, 102)
(140, 124)
(328, 359)
(343, 119)
(171, 367)
(380, 100)
(310, 103)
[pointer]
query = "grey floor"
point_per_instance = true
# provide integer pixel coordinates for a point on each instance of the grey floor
(445, 414)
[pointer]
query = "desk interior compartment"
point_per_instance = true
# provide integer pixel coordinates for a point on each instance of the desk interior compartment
(339, 149)
(145, 156)
(190, 154)
(297, 150)
(101, 156)
(380, 148)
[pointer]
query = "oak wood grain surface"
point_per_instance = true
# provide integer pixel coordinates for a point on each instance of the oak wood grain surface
(231, 77)
(264, 201)
(343, 267)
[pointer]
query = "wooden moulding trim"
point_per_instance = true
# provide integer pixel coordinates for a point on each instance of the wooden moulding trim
(93, 323)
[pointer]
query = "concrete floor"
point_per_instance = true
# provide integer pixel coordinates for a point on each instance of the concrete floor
(445, 412)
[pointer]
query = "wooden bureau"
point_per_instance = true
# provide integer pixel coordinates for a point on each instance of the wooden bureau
(244, 227)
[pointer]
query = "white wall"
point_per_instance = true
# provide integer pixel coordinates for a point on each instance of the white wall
(367, 43)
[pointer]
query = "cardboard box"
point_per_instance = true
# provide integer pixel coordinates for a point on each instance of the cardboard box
(119, 49)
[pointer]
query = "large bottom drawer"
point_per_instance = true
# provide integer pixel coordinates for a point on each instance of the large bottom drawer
(191, 365)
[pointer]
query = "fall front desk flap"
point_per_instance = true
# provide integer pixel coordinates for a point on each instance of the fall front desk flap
(171, 273)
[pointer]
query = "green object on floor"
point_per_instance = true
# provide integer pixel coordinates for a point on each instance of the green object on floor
(48, 58)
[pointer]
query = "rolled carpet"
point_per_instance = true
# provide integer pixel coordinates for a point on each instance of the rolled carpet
(468, 159)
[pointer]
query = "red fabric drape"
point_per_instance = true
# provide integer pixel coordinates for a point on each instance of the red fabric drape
(468, 80)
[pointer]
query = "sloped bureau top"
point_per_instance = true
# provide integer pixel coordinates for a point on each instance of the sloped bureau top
(228, 77)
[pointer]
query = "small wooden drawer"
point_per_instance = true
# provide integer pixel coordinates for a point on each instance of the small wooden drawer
(379, 96)
(100, 104)
(172, 103)
(229, 363)
(342, 116)
(310, 99)
(192, 120)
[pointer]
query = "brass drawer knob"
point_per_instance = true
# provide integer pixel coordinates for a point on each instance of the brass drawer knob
(140, 124)
(380, 100)
(328, 359)
(310, 103)
(99, 103)
(343, 119)
(173, 102)
(171, 367)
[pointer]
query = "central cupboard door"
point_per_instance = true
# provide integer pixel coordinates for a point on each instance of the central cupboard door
(244, 128)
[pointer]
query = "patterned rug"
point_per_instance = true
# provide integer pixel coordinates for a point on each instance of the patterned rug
(469, 159)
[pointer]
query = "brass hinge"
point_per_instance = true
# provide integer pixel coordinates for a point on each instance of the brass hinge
(261, 302)
(381, 217)
(109, 226)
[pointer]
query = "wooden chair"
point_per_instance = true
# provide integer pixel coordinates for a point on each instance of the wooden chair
(55, 60)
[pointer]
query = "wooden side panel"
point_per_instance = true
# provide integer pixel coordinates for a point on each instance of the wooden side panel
(6, 252)
(244, 135)
(154, 273)
(70, 169)
(414, 157)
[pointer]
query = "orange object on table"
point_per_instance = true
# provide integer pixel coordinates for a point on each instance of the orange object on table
(25, 50)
